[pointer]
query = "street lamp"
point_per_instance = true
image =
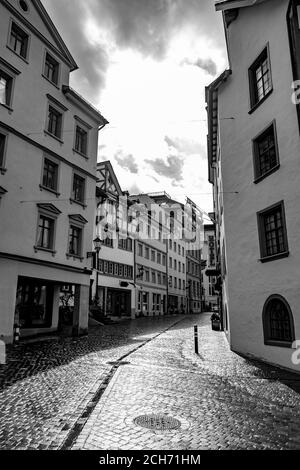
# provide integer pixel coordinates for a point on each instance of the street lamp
(97, 246)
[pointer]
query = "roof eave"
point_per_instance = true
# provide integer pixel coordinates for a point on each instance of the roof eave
(222, 5)
(81, 102)
(212, 101)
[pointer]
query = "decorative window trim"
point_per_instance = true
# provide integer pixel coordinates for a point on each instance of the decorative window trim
(57, 103)
(11, 21)
(257, 176)
(266, 327)
(261, 232)
(82, 122)
(77, 219)
(253, 104)
(10, 68)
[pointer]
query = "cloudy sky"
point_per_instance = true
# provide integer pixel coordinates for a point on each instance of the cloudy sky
(144, 64)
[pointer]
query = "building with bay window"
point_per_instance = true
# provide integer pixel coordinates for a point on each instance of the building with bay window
(48, 155)
(254, 166)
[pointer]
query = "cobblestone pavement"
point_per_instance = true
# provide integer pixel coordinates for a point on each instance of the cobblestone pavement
(63, 393)
(46, 385)
(222, 400)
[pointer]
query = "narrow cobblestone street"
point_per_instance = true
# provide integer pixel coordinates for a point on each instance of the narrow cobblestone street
(85, 393)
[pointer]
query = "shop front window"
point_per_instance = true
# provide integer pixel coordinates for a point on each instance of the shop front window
(34, 304)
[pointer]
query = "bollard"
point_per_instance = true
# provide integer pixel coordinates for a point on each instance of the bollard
(196, 338)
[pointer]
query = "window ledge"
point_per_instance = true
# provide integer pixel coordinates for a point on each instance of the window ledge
(50, 81)
(265, 175)
(81, 154)
(7, 107)
(256, 105)
(266, 259)
(18, 55)
(82, 204)
(44, 188)
(47, 250)
(54, 136)
(280, 344)
(3, 170)
(75, 257)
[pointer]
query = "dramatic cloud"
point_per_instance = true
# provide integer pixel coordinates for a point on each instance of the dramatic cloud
(127, 162)
(71, 17)
(171, 169)
(94, 28)
(145, 65)
(208, 65)
(184, 146)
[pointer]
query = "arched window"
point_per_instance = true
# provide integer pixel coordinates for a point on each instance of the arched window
(278, 322)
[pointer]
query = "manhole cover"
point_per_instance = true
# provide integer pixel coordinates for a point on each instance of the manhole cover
(157, 422)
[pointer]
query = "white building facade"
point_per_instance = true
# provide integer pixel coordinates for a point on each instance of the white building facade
(115, 281)
(254, 165)
(48, 154)
(150, 257)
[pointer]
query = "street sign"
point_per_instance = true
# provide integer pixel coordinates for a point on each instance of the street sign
(89, 254)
